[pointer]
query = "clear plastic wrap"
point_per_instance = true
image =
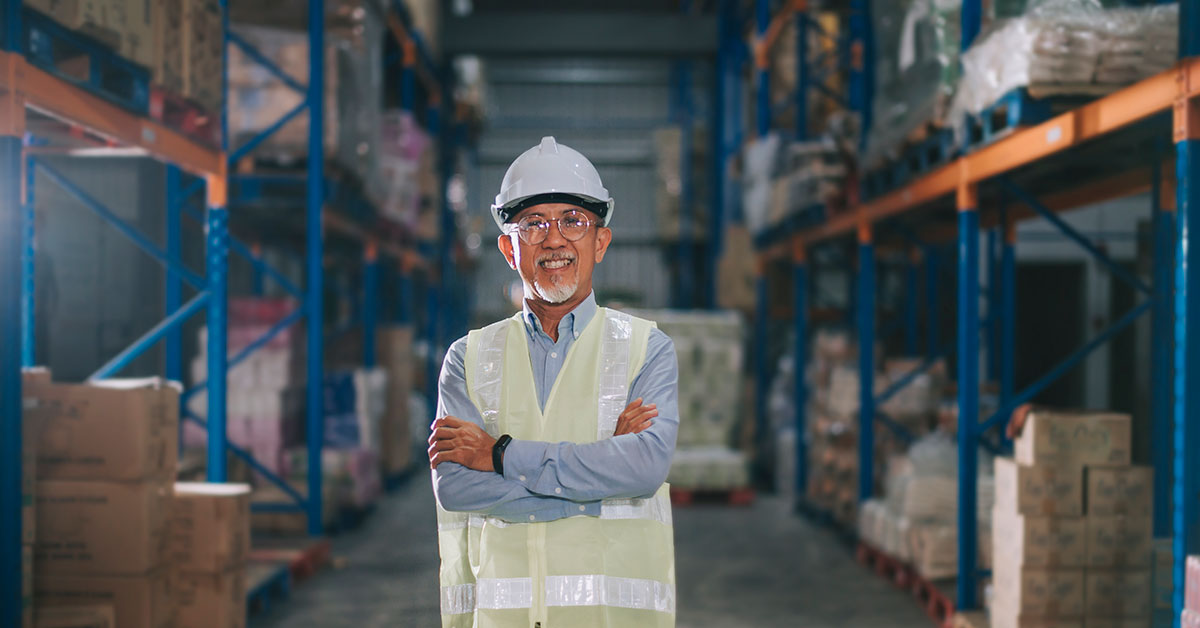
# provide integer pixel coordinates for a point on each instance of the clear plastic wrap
(1066, 45)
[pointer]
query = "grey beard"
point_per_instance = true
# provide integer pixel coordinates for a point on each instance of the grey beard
(555, 293)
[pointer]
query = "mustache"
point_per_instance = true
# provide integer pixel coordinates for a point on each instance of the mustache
(552, 257)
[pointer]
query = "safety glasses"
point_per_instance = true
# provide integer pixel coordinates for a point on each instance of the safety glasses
(573, 225)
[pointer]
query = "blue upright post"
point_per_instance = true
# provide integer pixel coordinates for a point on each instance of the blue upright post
(1161, 337)
(173, 290)
(10, 372)
(762, 116)
(802, 75)
(799, 361)
(28, 253)
(992, 271)
(370, 315)
(1008, 312)
(761, 320)
(1186, 514)
(861, 63)
(866, 366)
(910, 306)
(217, 275)
(932, 317)
(968, 396)
(314, 256)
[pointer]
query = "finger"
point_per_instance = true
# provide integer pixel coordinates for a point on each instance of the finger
(642, 427)
(445, 456)
(442, 433)
(633, 404)
(449, 421)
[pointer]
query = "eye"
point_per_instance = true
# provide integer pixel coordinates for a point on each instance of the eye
(532, 224)
(574, 220)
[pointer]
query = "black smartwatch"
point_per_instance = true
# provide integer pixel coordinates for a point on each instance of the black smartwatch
(498, 452)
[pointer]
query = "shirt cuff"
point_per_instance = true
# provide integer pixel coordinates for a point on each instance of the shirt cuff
(521, 457)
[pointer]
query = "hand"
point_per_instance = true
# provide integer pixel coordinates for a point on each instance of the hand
(635, 418)
(454, 440)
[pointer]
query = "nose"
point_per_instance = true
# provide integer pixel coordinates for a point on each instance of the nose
(554, 237)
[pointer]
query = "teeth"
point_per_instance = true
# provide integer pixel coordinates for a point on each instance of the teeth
(553, 264)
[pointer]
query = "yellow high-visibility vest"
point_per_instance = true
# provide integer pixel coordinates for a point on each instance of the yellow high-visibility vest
(614, 570)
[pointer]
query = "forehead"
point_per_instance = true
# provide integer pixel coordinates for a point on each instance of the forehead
(548, 210)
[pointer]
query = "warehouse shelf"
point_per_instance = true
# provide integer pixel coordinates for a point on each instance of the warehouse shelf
(44, 112)
(1114, 146)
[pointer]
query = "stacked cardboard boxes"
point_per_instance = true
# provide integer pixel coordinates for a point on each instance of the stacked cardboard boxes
(126, 26)
(210, 542)
(100, 616)
(1073, 540)
(106, 462)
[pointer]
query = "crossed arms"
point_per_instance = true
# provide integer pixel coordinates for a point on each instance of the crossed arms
(545, 481)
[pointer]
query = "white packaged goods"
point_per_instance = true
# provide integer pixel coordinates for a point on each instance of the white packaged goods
(710, 468)
(1045, 490)
(1072, 46)
(708, 348)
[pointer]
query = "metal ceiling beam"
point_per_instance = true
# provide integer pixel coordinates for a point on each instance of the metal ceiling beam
(581, 33)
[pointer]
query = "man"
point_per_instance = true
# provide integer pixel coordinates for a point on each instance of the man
(553, 510)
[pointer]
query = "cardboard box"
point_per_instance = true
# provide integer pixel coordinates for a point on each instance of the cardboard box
(1043, 490)
(76, 617)
(1119, 491)
(1039, 541)
(137, 601)
(136, 27)
(1111, 622)
(91, 528)
(1118, 593)
(210, 527)
(115, 430)
(211, 600)
(1192, 584)
(28, 483)
(1021, 591)
(1120, 541)
(1073, 438)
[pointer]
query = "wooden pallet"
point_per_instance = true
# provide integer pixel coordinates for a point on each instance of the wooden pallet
(185, 116)
(85, 62)
(1024, 107)
(732, 497)
(932, 148)
(936, 604)
(303, 558)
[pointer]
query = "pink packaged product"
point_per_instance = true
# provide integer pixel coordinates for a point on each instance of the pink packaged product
(1192, 587)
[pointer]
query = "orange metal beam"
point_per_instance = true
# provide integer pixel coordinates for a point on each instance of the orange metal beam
(59, 99)
(774, 30)
(1158, 93)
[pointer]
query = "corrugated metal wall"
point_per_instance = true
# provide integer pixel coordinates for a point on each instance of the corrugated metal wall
(606, 109)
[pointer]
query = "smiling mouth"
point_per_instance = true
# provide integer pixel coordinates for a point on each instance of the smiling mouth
(556, 264)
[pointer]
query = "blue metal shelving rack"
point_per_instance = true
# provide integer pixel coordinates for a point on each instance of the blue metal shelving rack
(1170, 297)
(21, 84)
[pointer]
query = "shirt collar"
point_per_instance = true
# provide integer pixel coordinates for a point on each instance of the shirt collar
(574, 322)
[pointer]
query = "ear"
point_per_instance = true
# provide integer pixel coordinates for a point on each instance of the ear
(603, 239)
(505, 244)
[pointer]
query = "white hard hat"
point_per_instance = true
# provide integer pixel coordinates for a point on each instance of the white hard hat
(551, 173)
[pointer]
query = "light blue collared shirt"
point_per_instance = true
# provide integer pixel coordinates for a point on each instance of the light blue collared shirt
(547, 481)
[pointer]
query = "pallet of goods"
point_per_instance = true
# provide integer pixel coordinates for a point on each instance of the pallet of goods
(710, 355)
(1073, 542)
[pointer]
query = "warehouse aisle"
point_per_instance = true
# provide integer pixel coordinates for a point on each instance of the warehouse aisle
(737, 567)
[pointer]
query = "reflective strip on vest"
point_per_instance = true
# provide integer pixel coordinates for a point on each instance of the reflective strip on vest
(588, 590)
(614, 372)
(601, 590)
(490, 375)
(656, 508)
(458, 599)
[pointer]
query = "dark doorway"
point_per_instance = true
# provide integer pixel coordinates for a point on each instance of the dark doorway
(1050, 327)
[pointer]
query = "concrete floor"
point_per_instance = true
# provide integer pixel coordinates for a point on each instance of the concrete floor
(756, 566)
